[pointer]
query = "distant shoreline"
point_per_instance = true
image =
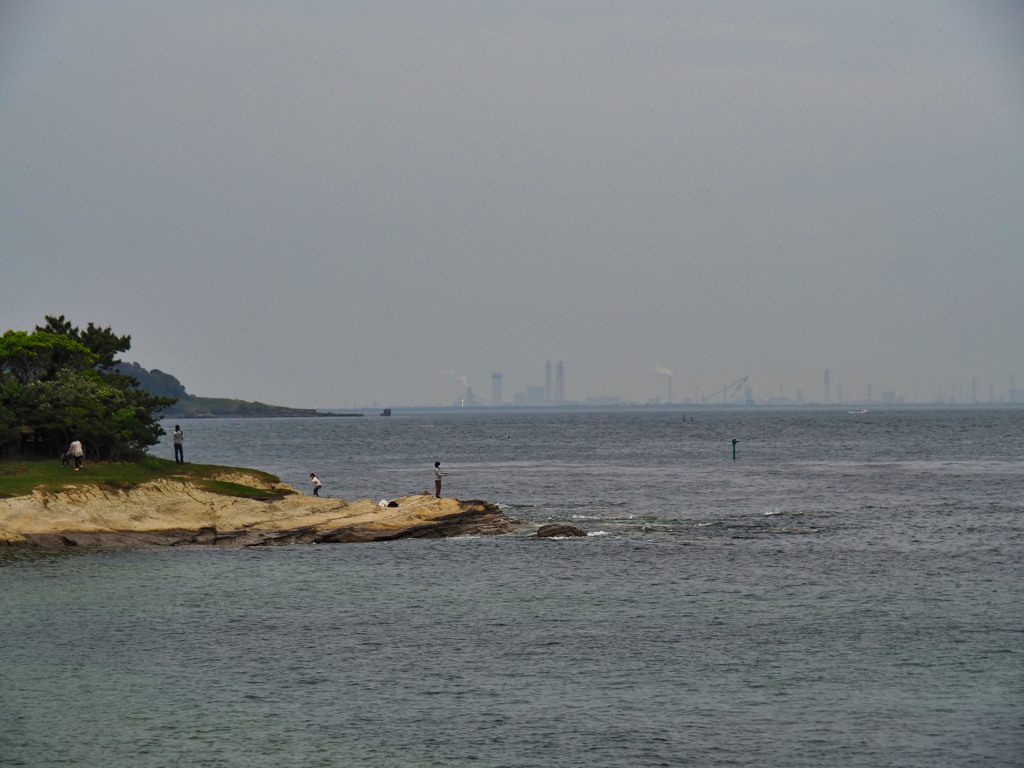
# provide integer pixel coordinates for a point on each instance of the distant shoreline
(866, 409)
(296, 415)
(702, 407)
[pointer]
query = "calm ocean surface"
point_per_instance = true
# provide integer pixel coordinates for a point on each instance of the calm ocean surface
(846, 592)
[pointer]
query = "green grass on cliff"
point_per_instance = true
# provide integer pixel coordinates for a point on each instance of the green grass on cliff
(21, 476)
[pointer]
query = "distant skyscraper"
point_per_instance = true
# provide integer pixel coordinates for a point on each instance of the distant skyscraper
(828, 397)
(547, 381)
(496, 389)
(560, 383)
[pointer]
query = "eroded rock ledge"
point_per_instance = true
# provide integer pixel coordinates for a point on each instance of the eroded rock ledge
(177, 513)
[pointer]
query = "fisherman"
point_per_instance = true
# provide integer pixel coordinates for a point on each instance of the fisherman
(438, 474)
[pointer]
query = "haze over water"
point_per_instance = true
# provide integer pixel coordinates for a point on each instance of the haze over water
(337, 204)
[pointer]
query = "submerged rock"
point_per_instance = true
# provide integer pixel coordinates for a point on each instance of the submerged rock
(559, 529)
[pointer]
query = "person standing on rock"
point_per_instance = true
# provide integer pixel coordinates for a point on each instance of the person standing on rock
(76, 451)
(179, 446)
(316, 484)
(438, 474)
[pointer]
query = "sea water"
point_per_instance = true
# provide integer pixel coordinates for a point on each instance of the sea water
(845, 592)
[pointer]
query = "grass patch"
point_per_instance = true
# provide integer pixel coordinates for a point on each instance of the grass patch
(22, 476)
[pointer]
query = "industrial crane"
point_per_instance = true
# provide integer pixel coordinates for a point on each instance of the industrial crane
(725, 390)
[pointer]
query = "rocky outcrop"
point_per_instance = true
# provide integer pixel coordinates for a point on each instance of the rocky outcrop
(176, 513)
(559, 529)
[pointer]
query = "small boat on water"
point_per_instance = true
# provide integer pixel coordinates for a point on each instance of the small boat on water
(862, 410)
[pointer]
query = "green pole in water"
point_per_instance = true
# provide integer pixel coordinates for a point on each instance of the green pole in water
(734, 441)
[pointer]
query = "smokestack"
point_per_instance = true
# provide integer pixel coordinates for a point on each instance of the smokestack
(662, 370)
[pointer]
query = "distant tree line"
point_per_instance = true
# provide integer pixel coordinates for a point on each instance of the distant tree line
(157, 382)
(61, 383)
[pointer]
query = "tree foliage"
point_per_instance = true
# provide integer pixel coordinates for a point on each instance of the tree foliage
(60, 383)
(102, 342)
(30, 357)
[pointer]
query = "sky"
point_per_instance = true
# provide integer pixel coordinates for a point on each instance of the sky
(345, 204)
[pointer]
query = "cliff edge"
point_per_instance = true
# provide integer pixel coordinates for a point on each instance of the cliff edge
(172, 512)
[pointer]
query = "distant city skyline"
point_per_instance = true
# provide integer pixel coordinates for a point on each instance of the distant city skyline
(549, 390)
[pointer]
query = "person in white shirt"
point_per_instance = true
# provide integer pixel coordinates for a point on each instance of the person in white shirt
(76, 450)
(179, 448)
(316, 484)
(438, 474)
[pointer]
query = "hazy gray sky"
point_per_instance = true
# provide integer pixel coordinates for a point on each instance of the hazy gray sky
(334, 203)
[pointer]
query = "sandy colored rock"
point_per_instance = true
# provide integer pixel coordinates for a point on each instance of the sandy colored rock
(173, 512)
